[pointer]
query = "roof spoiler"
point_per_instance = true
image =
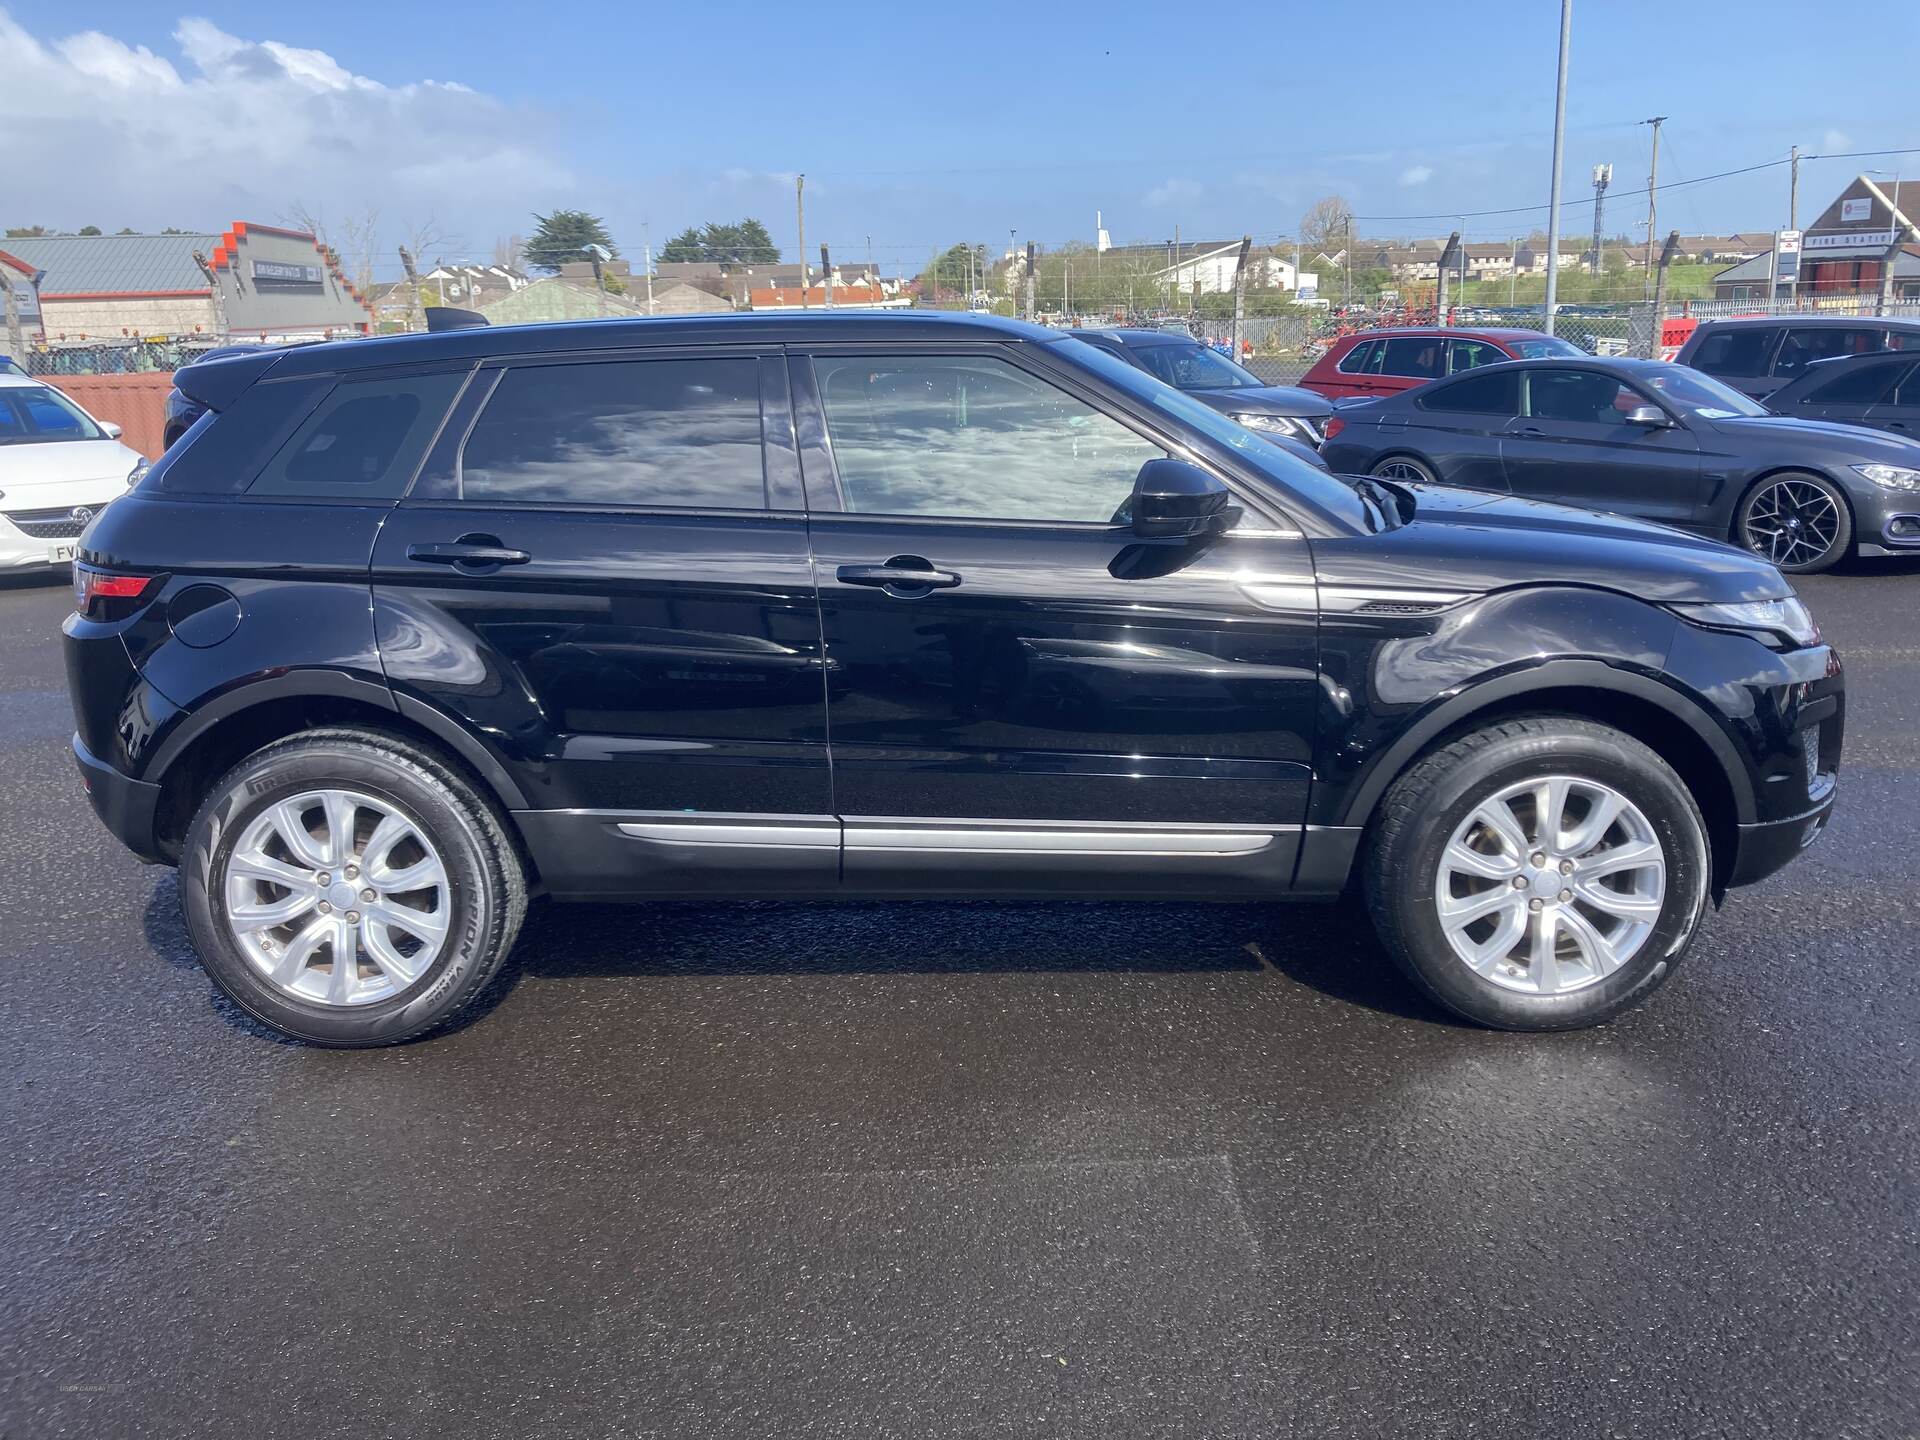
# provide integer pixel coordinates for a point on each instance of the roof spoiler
(445, 317)
(216, 384)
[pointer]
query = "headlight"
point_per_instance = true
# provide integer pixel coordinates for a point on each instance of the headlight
(1272, 424)
(140, 468)
(1893, 477)
(1784, 624)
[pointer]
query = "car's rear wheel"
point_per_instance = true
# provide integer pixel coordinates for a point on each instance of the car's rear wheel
(1799, 521)
(349, 889)
(1540, 874)
(1405, 469)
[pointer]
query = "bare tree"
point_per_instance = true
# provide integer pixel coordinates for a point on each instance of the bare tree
(507, 252)
(354, 240)
(1326, 224)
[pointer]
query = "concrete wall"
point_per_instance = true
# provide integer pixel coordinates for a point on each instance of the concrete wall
(123, 317)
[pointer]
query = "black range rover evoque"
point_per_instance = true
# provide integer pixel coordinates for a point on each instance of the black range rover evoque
(408, 630)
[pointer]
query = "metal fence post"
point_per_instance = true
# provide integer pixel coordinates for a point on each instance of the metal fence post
(1887, 264)
(1030, 282)
(1667, 252)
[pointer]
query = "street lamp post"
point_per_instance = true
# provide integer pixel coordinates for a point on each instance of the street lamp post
(1559, 150)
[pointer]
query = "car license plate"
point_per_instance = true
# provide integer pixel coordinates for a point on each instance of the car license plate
(61, 554)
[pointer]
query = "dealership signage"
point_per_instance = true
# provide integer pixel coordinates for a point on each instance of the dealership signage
(28, 300)
(284, 274)
(1856, 240)
(1855, 210)
(1786, 256)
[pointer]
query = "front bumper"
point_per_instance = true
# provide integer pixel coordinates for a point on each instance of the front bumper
(126, 807)
(1772, 844)
(1886, 522)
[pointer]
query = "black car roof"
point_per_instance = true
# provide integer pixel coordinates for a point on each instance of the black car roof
(746, 327)
(1851, 322)
(1130, 335)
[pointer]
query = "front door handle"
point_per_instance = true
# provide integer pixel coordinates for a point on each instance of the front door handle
(469, 550)
(1533, 431)
(903, 574)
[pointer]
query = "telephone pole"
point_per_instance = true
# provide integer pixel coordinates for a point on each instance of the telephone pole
(1602, 178)
(1653, 193)
(1793, 192)
(800, 223)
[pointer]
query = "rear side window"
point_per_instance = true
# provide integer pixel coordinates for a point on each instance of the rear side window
(223, 452)
(1477, 395)
(640, 433)
(364, 441)
(1741, 351)
(1418, 358)
(1362, 359)
(1470, 354)
(1867, 385)
(1803, 346)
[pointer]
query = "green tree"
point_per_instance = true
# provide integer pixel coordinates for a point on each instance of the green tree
(745, 242)
(126, 230)
(26, 232)
(944, 281)
(89, 230)
(565, 235)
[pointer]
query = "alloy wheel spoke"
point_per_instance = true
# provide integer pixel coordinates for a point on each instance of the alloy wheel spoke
(299, 952)
(254, 865)
(290, 821)
(422, 924)
(1641, 909)
(1593, 827)
(271, 914)
(399, 968)
(1600, 956)
(1501, 866)
(1458, 912)
(1634, 855)
(346, 962)
(1498, 945)
(1543, 967)
(1550, 808)
(340, 810)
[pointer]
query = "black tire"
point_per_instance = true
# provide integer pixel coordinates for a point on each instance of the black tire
(1397, 467)
(1770, 542)
(1420, 813)
(486, 884)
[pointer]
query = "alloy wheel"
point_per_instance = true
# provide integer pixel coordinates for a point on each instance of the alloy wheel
(1407, 472)
(337, 898)
(1550, 885)
(1792, 522)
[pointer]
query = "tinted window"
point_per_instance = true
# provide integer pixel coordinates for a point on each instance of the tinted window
(621, 432)
(224, 450)
(1583, 396)
(1739, 351)
(1803, 346)
(1867, 384)
(1469, 354)
(1194, 367)
(1478, 394)
(1361, 359)
(974, 438)
(1545, 347)
(363, 441)
(1418, 357)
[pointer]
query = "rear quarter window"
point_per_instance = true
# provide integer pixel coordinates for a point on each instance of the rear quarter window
(364, 441)
(223, 451)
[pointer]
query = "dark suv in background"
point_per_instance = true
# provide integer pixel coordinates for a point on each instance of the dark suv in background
(1759, 355)
(407, 630)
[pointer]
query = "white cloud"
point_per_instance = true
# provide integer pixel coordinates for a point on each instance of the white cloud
(1836, 140)
(1416, 175)
(102, 132)
(1174, 192)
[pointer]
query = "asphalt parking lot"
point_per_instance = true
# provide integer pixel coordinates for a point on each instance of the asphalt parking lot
(966, 1170)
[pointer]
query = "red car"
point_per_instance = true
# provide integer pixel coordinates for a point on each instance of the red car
(1385, 362)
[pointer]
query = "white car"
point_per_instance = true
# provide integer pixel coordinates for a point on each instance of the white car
(58, 468)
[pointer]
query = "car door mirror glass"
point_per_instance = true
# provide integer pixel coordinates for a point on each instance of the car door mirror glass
(1176, 499)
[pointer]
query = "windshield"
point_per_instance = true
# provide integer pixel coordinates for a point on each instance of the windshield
(1289, 472)
(1687, 389)
(1547, 347)
(35, 414)
(1194, 367)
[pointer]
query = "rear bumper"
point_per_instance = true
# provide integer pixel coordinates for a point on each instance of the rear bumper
(126, 807)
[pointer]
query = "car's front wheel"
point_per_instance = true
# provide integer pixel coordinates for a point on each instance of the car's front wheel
(1540, 874)
(1799, 521)
(349, 889)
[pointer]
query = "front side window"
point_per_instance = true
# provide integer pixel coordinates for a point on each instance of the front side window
(972, 437)
(1742, 351)
(30, 413)
(1194, 367)
(1688, 389)
(1579, 396)
(1907, 388)
(638, 433)
(1477, 395)
(1416, 357)
(364, 441)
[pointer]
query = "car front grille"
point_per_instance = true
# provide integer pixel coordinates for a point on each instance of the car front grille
(59, 523)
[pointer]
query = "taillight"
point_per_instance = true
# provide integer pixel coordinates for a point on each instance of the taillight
(1334, 426)
(100, 595)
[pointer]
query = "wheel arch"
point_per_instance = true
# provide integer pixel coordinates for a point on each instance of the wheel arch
(1774, 472)
(234, 725)
(1667, 722)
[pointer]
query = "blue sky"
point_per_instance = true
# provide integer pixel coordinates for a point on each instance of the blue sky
(916, 129)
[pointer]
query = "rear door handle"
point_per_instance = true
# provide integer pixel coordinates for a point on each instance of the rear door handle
(902, 572)
(469, 550)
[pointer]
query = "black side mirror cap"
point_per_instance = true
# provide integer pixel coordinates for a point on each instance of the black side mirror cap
(1176, 499)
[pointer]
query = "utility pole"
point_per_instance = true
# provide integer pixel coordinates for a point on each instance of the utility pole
(1030, 282)
(1653, 190)
(1240, 294)
(646, 232)
(800, 224)
(1347, 254)
(1793, 191)
(826, 273)
(1559, 155)
(1448, 256)
(1900, 233)
(1667, 252)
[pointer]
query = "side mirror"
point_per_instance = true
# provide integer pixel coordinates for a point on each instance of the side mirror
(1651, 416)
(1176, 499)
(112, 429)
